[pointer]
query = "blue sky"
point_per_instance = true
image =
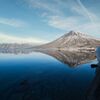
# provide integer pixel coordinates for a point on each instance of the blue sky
(41, 21)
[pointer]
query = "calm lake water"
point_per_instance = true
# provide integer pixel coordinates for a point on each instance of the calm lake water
(38, 76)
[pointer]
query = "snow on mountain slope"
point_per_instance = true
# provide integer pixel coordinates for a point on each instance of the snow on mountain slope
(73, 40)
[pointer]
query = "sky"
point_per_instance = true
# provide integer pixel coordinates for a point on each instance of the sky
(41, 21)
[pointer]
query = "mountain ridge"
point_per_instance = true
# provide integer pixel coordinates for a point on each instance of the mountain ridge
(73, 40)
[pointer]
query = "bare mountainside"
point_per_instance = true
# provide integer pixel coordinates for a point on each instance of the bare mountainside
(73, 40)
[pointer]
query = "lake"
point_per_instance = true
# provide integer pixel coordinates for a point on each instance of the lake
(37, 76)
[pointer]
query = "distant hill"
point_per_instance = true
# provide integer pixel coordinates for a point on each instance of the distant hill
(15, 48)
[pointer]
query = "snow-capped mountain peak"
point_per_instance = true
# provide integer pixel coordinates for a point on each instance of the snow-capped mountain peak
(74, 40)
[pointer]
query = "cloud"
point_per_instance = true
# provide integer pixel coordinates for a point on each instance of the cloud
(44, 6)
(67, 15)
(73, 23)
(92, 29)
(12, 22)
(63, 23)
(14, 39)
(85, 11)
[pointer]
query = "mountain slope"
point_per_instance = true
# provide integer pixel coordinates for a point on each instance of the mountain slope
(73, 40)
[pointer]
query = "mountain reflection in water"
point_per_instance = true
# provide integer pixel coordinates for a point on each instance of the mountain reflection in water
(71, 58)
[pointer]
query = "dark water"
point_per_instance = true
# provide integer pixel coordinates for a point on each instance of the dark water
(38, 76)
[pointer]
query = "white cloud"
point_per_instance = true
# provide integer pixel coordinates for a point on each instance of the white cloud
(63, 23)
(67, 15)
(45, 6)
(85, 12)
(12, 22)
(73, 23)
(92, 29)
(14, 39)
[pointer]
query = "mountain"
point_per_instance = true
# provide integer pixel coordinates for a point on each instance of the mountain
(15, 48)
(70, 41)
(73, 40)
